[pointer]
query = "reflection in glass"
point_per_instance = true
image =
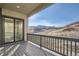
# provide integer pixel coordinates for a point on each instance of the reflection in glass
(18, 30)
(9, 25)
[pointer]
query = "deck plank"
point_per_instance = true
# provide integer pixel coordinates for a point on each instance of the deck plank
(22, 49)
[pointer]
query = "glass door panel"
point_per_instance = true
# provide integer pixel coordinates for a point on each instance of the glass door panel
(9, 30)
(18, 30)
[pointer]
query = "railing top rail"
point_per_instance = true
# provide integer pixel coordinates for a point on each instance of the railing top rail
(56, 37)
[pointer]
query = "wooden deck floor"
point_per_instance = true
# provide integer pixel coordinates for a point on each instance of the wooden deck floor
(22, 49)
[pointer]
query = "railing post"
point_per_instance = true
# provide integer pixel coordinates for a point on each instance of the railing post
(40, 41)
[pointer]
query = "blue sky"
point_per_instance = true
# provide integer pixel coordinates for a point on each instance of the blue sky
(56, 15)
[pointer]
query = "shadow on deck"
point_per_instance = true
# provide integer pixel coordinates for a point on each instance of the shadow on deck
(23, 49)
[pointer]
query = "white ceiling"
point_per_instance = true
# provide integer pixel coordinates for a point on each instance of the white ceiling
(24, 7)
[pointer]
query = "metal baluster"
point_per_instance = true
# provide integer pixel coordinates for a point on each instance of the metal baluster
(67, 48)
(49, 43)
(63, 46)
(53, 43)
(40, 41)
(44, 41)
(58, 45)
(71, 48)
(75, 48)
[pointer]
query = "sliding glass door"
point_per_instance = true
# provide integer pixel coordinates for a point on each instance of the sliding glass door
(18, 30)
(13, 29)
(9, 31)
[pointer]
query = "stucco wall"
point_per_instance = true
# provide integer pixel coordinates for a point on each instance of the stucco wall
(13, 13)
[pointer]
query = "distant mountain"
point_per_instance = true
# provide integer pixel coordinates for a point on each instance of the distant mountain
(40, 28)
(72, 27)
(74, 23)
(70, 30)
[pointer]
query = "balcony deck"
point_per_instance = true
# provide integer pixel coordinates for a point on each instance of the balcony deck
(23, 49)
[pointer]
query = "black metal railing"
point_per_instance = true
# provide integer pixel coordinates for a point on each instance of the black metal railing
(61, 45)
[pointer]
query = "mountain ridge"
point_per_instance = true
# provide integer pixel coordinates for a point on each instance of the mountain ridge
(70, 30)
